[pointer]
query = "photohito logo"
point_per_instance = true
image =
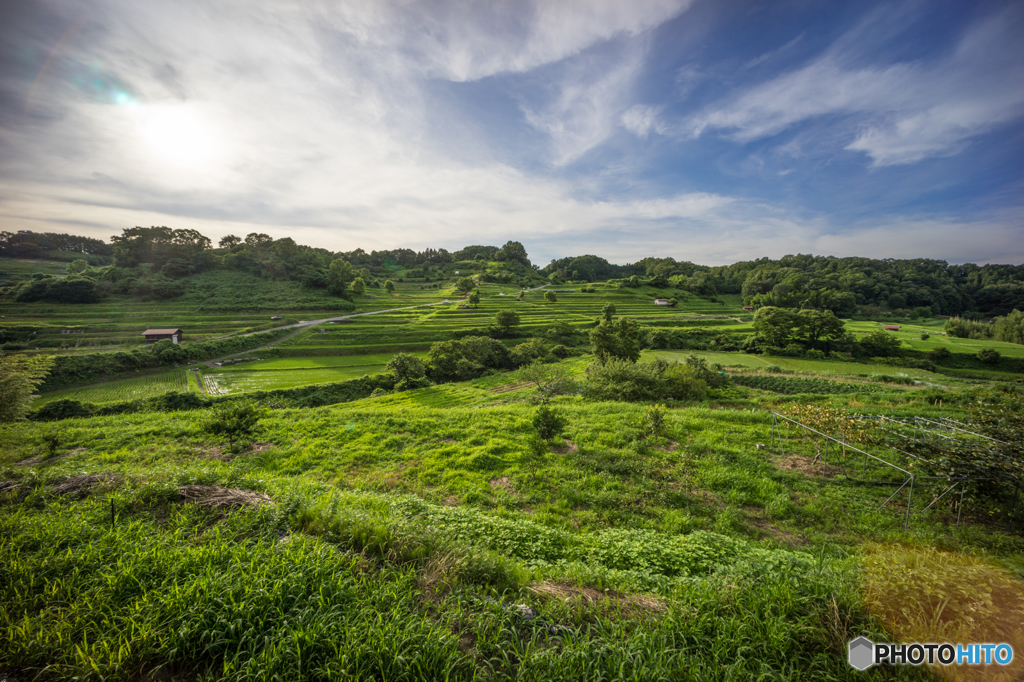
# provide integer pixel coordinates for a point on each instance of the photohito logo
(864, 653)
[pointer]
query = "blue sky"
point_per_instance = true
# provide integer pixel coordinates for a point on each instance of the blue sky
(706, 131)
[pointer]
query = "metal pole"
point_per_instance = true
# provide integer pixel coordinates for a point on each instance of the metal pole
(910, 500)
(960, 507)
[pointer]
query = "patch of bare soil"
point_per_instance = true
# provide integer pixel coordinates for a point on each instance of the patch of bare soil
(807, 466)
(670, 446)
(508, 388)
(221, 453)
(216, 497)
(769, 529)
(451, 501)
(504, 484)
(630, 605)
(44, 459)
(448, 440)
(566, 449)
(80, 486)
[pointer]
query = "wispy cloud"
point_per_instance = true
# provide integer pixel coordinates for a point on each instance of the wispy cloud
(896, 113)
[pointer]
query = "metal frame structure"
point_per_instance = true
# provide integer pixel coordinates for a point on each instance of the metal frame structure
(909, 477)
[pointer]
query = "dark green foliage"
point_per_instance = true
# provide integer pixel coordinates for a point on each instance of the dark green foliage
(710, 375)
(505, 320)
(616, 340)
(619, 379)
(234, 420)
(59, 290)
(968, 329)
(989, 355)
(61, 409)
(939, 354)
(408, 371)
(1010, 328)
(467, 358)
(879, 344)
(547, 422)
(550, 297)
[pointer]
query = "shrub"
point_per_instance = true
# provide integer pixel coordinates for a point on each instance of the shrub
(547, 422)
(814, 354)
(939, 354)
(659, 380)
(234, 420)
(989, 355)
(925, 336)
(652, 423)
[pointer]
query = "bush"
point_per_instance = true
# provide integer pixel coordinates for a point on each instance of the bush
(989, 355)
(659, 380)
(561, 352)
(939, 354)
(234, 420)
(814, 354)
(548, 422)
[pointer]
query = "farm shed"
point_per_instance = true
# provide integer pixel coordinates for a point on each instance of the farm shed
(748, 307)
(154, 335)
(275, 318)
(661, 301)
(891, 328)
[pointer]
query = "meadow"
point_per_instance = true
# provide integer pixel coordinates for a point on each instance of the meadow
(433, 534)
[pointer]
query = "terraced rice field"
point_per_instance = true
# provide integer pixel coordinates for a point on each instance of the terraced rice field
(135, 388)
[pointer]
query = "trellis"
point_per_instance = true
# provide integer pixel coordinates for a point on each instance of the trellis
(906, 479)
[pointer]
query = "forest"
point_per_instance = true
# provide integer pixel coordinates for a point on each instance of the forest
(153, 262)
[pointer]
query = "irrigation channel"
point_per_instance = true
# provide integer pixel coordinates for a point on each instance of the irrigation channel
(912, 429)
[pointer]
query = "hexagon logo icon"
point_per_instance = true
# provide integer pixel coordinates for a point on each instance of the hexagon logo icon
(861, 653)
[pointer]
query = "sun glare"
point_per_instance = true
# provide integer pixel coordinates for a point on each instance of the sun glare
(180, 135)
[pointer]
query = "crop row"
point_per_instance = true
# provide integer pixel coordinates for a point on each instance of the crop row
(795, 385)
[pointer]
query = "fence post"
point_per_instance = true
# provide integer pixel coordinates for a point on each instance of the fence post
(910, 500)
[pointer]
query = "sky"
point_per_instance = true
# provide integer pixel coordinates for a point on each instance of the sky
(708, 131)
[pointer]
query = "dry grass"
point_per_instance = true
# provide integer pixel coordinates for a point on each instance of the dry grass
(215, 497)
(930, 595)
(567, 449)
(629, 605)
(508, 388)
(80, 486)
(504, 484)
(808, 466)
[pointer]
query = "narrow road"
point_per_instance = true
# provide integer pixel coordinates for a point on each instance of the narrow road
(306, 324)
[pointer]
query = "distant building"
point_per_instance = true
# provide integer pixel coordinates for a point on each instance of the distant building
(891, 328)
(154, 335)
(661, 301)
(748, 307)
(275, 318)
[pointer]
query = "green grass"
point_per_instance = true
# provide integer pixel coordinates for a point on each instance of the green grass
(409, 525)
(121, 390)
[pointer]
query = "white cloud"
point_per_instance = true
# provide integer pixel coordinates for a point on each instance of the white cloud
(904, 112)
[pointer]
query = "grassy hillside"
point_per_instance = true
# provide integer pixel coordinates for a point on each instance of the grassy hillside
(389, 539)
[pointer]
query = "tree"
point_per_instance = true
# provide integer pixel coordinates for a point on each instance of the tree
(358, 286)
(258, 240)
(620, 339)
(78, 266)
(408, 370)
(550, 297)
(505, 320)
(549, 380)
(389, 286)
(227, 241)
(474, 298)
(514, 251)
(815, 325)
(339, 274)
(547, 422)
(465, 285)
(880, 343)
(1010, 328)
(989, 355)
(776, 326)
(236, 419)
(19, 378)
(608, 311)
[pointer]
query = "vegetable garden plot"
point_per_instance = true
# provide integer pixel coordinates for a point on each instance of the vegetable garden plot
(905, 454)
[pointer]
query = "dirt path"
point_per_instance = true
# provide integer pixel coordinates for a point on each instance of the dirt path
(306, 324)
